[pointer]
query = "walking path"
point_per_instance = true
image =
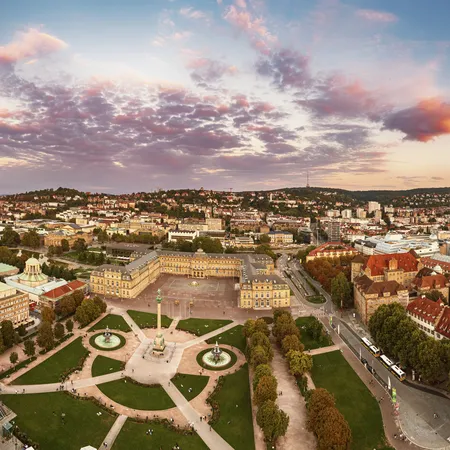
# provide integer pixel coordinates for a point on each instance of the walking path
(131, 323)
(212, 439)
(114, 431)
(293, 404)
(209, 335)
(319, 351)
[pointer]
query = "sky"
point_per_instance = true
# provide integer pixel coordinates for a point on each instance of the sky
(126, 96)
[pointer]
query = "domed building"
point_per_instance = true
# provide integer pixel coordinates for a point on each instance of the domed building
(32, 275)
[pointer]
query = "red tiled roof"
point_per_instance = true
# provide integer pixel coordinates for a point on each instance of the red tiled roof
(64, 290)
(443, 326)
(328, 247)
(369, 287)
(430, 263)
(431, 281)
(377, 263)
(425, 308)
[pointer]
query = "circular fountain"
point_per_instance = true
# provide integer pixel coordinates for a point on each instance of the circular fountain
(107, 340)
(216, 357)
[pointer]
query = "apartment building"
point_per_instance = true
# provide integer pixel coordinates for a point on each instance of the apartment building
(14, 305)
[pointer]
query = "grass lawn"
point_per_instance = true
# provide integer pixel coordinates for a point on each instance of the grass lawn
(332, 372)
(52, 368)
(316, 299)
(132, 436)
(199, 327)
(236, 391)
(232, 337)
(307, 340)
(103, 365)
(39, 415)
(137, 396)
(185, 381)
(148, 320)
(113, 321)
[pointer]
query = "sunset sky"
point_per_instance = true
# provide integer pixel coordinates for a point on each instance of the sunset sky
(124, 96)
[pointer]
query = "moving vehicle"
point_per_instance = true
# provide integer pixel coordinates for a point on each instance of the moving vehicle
(398, 372)
(386, 361)
(366, 342)
(375, 351)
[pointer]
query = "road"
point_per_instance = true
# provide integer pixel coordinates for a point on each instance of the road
(416, 407)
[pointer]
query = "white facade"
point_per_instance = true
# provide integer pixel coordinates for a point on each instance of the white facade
(397, 243)
(346, 213)
(373, 206)
(183, 235)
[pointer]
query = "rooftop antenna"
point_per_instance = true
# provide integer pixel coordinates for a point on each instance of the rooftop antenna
(307, 179)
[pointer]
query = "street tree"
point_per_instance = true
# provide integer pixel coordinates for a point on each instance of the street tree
(59, 330)
(100, 304)
(261, 371)
(291, 342)
(29, 347)
(8, 333)
(45, 337)
(266, 390)
(341, 291)
(69, 326)
(431, 365)
(299, 362)
(262, 327)
(67, 306)
(48, 315)
(272, 421)
(284, 326)
(87, 312)
(21, 330)
(13, 357)
(258, 356)
(314, 328)
(78, 296)
(249, 328)
(319, 400)
(260, 339)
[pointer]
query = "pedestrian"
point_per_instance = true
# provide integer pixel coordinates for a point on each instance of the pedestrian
(201, 418)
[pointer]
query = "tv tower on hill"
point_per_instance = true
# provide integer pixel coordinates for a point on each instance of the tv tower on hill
(307, 179)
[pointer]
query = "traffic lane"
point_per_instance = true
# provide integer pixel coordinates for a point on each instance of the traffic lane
(424, 404)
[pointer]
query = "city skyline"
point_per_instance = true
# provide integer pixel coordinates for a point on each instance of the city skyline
(248, 94)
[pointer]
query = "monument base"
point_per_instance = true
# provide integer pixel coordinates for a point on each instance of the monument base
(159, 345)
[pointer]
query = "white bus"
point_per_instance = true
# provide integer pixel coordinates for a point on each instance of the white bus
(386, 361)
(366, 342)
(398, 372)
(375, 351)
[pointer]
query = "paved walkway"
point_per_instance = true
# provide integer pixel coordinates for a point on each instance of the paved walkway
(131, 323)
(114, 432)
(212, 439)
(319, 351)
(209, 335)
(293, 404)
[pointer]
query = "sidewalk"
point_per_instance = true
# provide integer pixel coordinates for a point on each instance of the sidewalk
(114, 431)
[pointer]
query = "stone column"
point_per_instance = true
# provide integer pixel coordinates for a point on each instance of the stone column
(159, 344)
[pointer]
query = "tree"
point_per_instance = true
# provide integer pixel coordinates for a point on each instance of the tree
(341, 291)
(21, 330)
(264, 239)
(291, 342)
(78, 296)
(261, 371)
(332, 430)
(207, 244)
(284, 326)
(65, 247)
(10, 238)
(431, 361)
(272, 421)
(100, 304)
(45, 338)
(31, 239)
(13, 357)
(50, 251)
(299, 362)
(249, 328)
(260, 339)
(59, 330)
(30, 347)
(67, 306)
(261, 327)
(315, 329)
(277, 312)
(8, 333)
(48, 315)
(79, 245)
(266, 390)
(258, 356)
(69, 326)
(87, 312)
(319, 400)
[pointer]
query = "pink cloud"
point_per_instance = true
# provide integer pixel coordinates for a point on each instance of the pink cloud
(30, 44)
(240, 3)
(192, 13)
(376, 16)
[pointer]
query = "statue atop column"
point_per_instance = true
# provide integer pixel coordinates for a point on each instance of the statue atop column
(159, 344)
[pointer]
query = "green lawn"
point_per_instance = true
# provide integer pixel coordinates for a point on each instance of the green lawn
(39, 415)
(148, 320)
(332, 372)
(132, 436)
(200, 327)
(52, 368)
(185, 381)
(307, 340)
(236, 391)
(232, 337)
(103, 365)
(113, 321)
(137, 396)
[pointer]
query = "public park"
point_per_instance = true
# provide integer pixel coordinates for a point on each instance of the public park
(134, 378)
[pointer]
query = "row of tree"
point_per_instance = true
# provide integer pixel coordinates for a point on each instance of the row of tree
(401, 339)
(207, 244)
(270, 418)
